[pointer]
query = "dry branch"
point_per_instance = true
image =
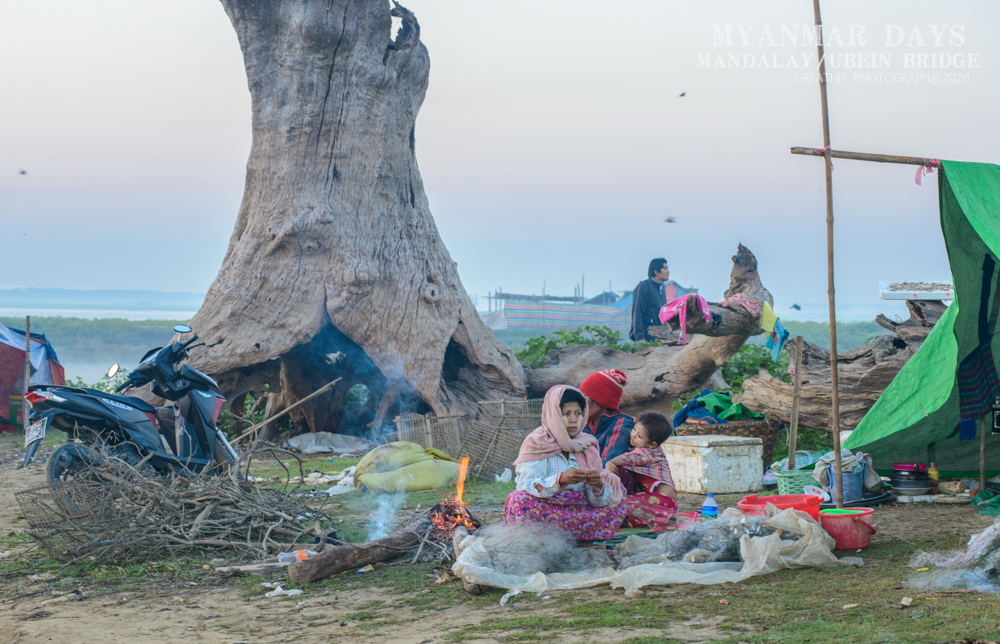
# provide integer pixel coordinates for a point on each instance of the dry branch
(113, 511)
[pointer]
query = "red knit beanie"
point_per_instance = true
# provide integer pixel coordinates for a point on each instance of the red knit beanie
(605, 387)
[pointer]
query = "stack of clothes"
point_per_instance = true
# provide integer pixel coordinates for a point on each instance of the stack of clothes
(712, 408)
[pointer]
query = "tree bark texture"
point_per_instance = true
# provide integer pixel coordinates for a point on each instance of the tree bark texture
(658, 375)
(335, 249)
(863, 373)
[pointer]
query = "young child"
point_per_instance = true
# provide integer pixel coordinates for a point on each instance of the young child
(644, 471)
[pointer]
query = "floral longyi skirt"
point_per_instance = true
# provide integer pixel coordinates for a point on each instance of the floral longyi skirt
(569, 510)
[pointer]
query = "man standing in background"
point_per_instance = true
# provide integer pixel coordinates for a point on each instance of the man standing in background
(647, 300)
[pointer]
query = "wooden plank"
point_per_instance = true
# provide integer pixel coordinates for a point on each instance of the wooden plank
(27, 371)
(793, 429)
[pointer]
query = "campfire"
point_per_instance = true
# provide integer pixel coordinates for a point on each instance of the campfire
(437, 531)
(452, 513)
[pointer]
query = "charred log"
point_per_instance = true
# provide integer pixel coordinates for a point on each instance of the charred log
(337, 559)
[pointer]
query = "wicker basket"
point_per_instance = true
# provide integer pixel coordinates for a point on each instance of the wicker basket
(764, 429)
(794, 482)
(491, 449)
(443, 433)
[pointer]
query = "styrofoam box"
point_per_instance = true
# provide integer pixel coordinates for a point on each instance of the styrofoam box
(716, 464)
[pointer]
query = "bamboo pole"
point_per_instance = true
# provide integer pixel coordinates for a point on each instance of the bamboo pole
(835, 396)
(285, 411)
(865, 156)
(793, 430)
(27, 371)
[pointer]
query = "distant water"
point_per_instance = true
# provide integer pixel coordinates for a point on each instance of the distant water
(96, 314)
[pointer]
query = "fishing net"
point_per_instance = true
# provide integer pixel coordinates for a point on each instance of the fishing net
(975, 568)
(729, 549)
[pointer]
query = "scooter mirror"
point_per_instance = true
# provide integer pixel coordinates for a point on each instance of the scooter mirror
(182, 328)
(113, 370)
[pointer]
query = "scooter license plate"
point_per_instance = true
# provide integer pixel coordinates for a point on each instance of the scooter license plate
(35, 431)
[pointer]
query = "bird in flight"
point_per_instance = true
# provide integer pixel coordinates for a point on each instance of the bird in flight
(22, 172)
(671, 220)
(684, 94)
(796, 307)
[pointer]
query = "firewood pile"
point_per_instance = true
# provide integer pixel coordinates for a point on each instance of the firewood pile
(116, 511)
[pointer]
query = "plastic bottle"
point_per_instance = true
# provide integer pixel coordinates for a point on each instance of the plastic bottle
(933, 473)
(297, 555)
(710, 509)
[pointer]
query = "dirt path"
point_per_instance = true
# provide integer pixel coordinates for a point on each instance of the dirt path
(196, 605)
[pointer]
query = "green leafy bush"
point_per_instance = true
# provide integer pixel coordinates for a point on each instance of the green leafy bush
(535, 350)
(748, 361)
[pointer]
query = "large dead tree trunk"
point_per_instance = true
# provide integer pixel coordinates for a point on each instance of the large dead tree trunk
(659, 375)
(335, 249)
(863, 373)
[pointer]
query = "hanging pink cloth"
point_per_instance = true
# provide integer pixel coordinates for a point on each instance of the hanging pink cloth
(678, 308)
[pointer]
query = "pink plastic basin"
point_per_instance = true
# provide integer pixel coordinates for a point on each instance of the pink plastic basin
(757, 506)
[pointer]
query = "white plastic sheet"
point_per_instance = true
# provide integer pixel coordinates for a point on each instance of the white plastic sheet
(760, 555)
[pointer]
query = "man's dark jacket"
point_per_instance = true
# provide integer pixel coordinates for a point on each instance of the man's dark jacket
(613, 434)
(647, 300)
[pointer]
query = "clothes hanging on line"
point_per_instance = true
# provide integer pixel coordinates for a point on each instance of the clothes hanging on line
(767, 318)
(740, 300)
(776, 340)
(977, 378)
(678, 308)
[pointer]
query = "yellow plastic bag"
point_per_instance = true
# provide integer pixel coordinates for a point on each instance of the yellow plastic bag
(425, 475)
(405, 467)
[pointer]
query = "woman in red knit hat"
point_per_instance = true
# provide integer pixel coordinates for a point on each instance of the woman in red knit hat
(612, 428)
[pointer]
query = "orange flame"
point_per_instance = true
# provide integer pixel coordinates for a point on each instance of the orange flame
(463, 468)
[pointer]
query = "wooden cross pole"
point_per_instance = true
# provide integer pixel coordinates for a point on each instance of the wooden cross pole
(834, 394)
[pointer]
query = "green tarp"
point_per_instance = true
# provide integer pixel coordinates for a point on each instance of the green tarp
(916, 418)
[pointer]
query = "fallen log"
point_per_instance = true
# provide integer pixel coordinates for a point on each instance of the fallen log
(337, 559)
(863, 373)
(658, 375)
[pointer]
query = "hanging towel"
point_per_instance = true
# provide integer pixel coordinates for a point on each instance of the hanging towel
(678, 308)
(740, 300)
(977, 378)
(768, 318)
(776, 340)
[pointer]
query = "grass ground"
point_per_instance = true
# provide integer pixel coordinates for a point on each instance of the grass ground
(396, 602)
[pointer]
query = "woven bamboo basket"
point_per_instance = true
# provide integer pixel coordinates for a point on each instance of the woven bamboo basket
(491, 449)
(764, 429)
(498, 408)
(443, 433)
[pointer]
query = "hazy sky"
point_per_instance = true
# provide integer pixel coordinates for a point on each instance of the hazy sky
(553, 141)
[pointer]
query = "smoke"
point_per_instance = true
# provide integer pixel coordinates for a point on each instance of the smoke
(384, 516)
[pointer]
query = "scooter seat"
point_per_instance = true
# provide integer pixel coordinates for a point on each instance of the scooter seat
(138, 403)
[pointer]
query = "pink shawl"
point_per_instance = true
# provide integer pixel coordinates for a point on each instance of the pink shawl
(552, 438)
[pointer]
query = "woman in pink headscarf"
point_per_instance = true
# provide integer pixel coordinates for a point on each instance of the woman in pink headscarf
(560, 478)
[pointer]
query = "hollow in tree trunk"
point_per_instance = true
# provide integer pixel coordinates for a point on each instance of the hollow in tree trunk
(335, 250)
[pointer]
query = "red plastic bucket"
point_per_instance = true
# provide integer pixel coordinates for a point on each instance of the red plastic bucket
(849, 527)
(757, 506)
